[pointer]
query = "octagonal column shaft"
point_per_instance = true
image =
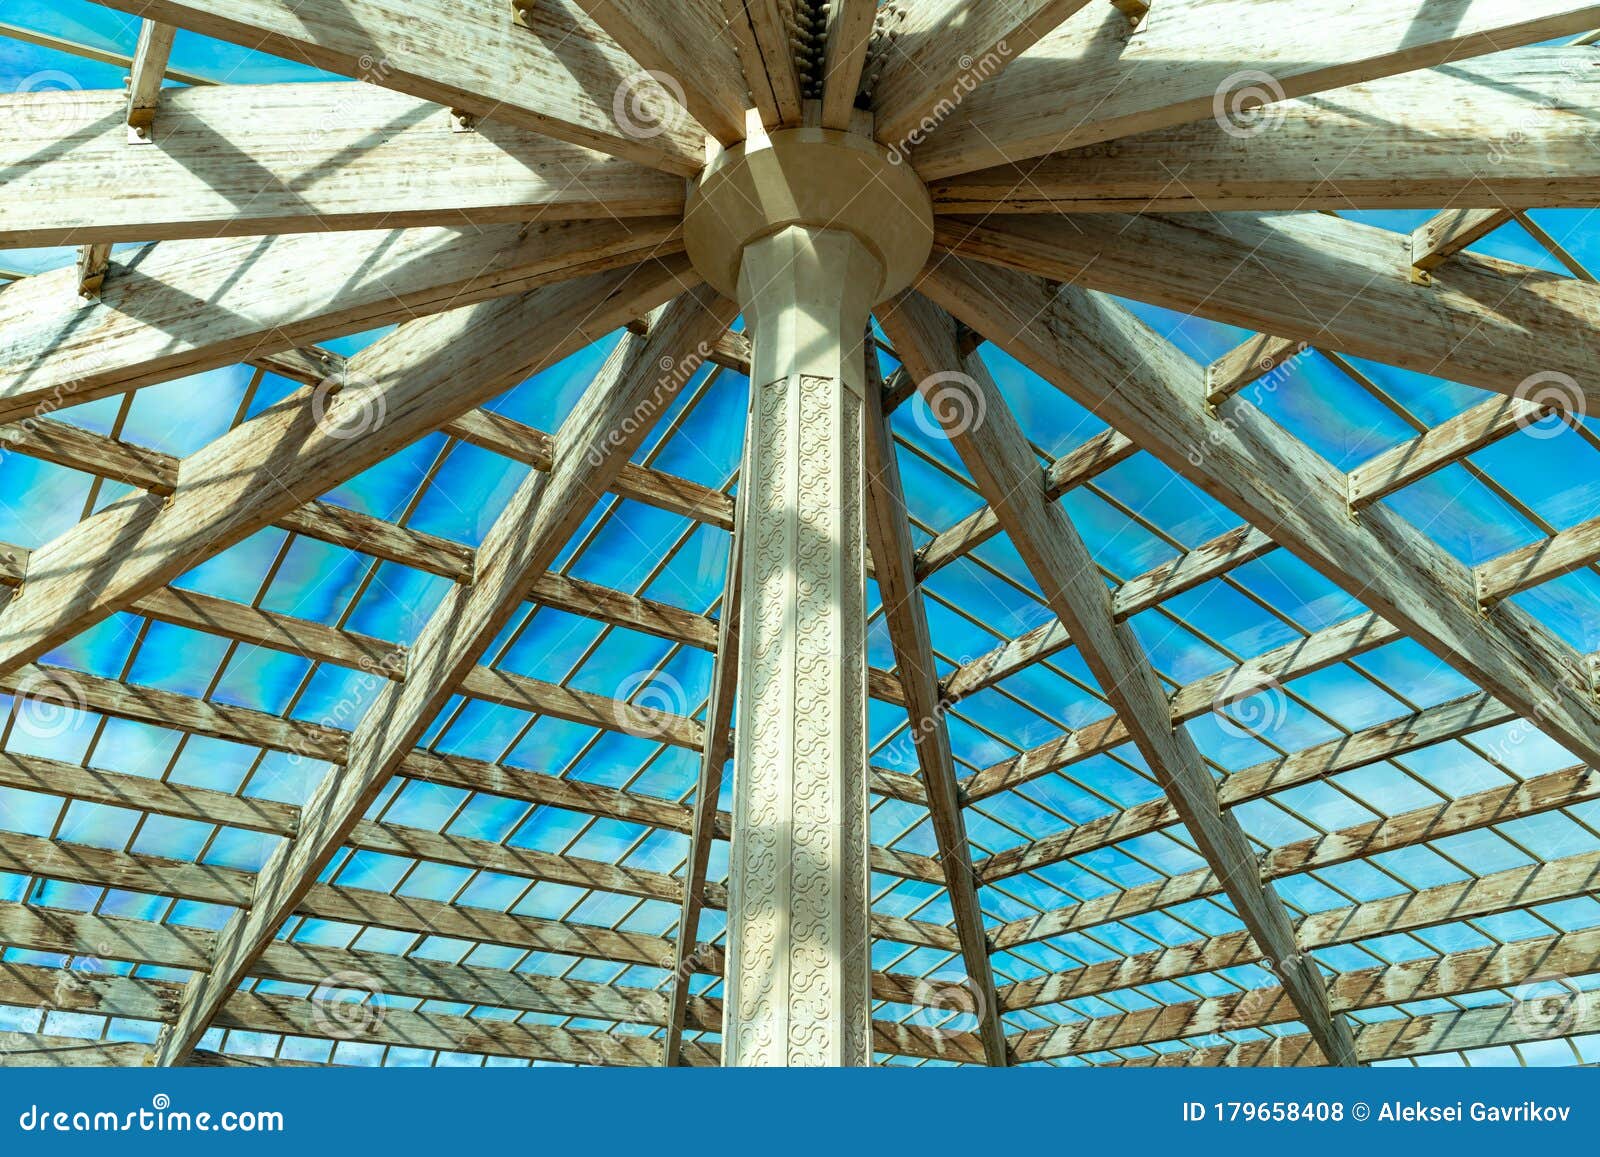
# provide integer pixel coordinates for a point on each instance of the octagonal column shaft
(798, 962)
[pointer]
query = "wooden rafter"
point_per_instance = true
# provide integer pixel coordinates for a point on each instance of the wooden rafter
(688, 42)
(1329, 282)
(247, 160)
(997, 455)
(1501, 131)
(1090, 81)
(888, 531)
(944, 49)
(148, 328)
(554, 71)
(708, 789)
(848, 33)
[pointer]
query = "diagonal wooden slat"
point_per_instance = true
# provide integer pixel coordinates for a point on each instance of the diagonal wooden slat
(997, 455)
(888, 531)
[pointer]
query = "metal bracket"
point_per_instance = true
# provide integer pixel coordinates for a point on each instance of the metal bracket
(462, 121)
(520, 10)
(1134, 10)
(1419, 276)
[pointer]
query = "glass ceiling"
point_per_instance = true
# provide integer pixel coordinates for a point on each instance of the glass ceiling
(1518, 490)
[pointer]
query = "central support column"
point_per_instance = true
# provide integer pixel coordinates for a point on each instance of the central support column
(809, 229)
(797, 972)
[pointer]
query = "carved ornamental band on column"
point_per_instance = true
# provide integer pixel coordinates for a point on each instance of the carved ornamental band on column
(809, 229)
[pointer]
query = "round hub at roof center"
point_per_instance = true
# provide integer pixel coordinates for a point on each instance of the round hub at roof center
(816, 178)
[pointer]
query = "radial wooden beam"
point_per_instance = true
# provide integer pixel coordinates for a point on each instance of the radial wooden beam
(848, 32)
(1331, 283)
(708, 789)
(688, 42)
(889, 537)
(182, 307)
(1090, 81)
(945, 49)
(240, 160)
(1506, 130)
(766, 54)
(398, 389)
(997, 455)
(551, 69)
(611, 420)
(1095, 351)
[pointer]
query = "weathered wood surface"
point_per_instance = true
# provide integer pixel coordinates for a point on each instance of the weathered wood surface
(1507, 130)
(553, 70)
(398, 389)
(181, 307)
(243, 160)
(1331, 283)
(1093, 79)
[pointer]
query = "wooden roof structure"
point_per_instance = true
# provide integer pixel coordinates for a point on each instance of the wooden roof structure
(329, 741)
